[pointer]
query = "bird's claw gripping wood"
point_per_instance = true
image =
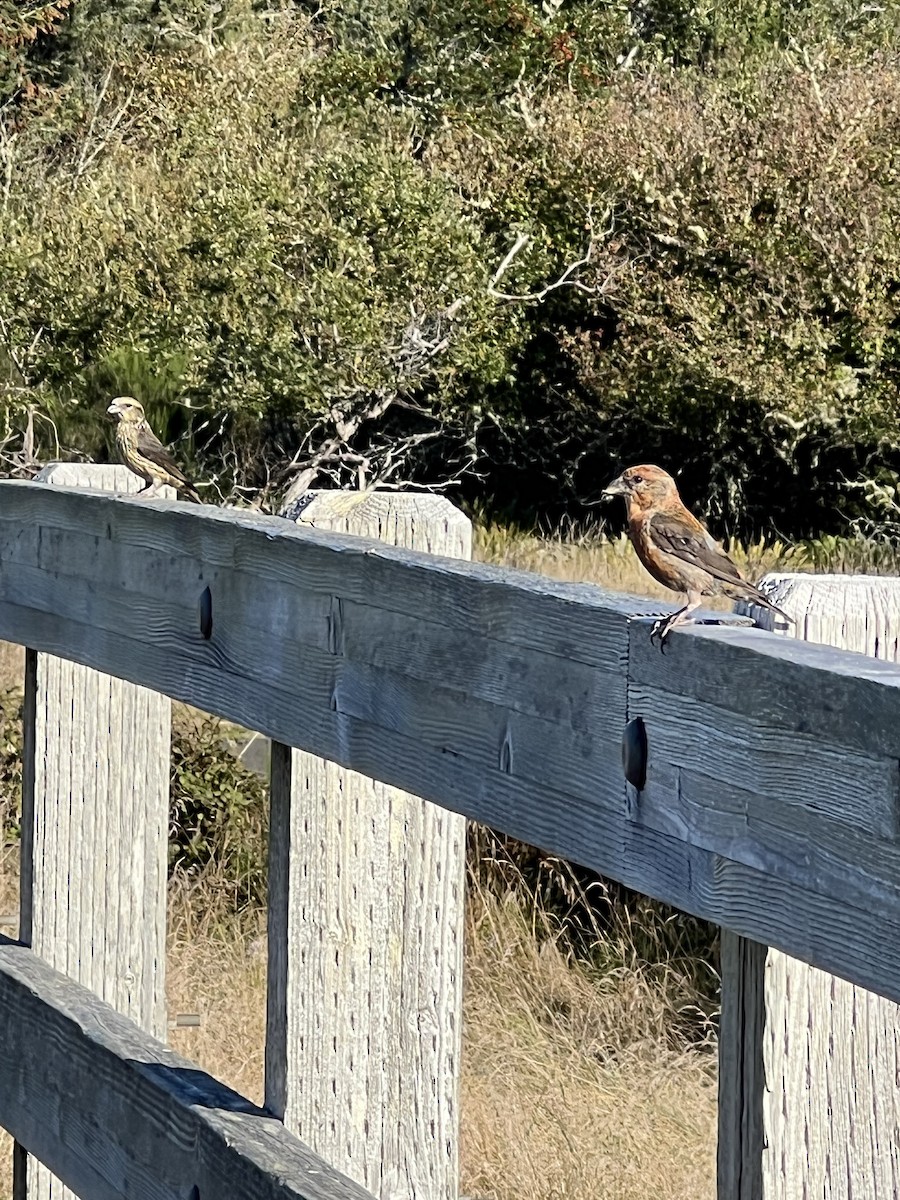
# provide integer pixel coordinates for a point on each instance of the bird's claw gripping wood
(660, 632)
(664, 626)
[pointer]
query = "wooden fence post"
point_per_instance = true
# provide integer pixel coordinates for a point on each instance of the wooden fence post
(821, 1057)
(366, 933)
(741, 1076)
(94, 830)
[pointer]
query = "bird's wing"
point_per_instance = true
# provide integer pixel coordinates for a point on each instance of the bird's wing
(149, 445)
(687, 539)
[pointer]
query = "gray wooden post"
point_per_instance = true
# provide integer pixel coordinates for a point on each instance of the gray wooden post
(94, 830)
(741, 1075)
(820, 1058)
(366, 933)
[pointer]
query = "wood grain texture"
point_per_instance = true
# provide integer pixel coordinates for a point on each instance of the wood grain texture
(831, 1050)
(741, 1069)
(508, 705)
(116, 1114)
(366, 905)
(95, 824)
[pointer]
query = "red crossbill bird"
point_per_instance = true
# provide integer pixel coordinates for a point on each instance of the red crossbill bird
(144, 453)
(676, 549)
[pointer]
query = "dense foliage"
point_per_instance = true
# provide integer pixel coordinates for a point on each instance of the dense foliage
(288, 229)
(218, 814)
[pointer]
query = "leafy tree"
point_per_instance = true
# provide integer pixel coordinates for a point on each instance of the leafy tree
(507, 242)
(24, 30)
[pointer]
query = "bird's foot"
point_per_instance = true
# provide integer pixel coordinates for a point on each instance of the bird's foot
(660, 632)
(664, 626)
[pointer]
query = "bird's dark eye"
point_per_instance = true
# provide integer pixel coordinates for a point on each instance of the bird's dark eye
(637, 479)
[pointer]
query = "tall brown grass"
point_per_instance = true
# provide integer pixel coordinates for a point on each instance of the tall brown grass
(588, 556)
(571, 1086)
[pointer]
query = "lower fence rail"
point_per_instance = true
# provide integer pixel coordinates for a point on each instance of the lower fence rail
(113, 1112)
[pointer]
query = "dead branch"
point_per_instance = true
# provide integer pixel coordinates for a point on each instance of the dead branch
(334, 449)
(93, 147)
(520, 243)
(425, 338)
(565, 280)
(423, 341)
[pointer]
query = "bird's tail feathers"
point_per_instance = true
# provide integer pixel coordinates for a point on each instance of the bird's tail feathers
(760, 597)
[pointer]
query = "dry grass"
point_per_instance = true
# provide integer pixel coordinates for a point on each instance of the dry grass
(217, 970)
(9, 884)
(610, 562)
(588, 556)
(570, 1087)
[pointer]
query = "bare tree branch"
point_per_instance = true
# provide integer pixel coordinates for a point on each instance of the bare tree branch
(565, 280)
(328, 449)
(334, 448)
(91, 149)
(520, 243)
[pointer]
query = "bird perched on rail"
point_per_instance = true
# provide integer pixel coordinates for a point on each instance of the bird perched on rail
(676, 549)
(143, 452)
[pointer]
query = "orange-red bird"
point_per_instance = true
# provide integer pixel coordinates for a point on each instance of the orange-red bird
(676, 549)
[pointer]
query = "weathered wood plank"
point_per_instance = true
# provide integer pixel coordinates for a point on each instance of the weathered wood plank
(366, 900)
(741, 1070)
(840, 698)
(309, 627)
(832, 1059)
(574, 619)
(740, 671)
(791, 767)
(777, 838)
(95, 806)
(114, 1113)
(306, 640)
(831, 1051)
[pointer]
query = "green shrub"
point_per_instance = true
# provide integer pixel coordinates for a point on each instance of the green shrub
(218, 815)
(279, 229)
(218, 810)
(742, 328)
(10, 767)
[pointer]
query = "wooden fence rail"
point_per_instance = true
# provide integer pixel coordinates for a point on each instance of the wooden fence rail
(771, 799)
(113, 1113)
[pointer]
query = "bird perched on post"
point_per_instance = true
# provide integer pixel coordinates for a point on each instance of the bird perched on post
(144, 453)
(676, 549)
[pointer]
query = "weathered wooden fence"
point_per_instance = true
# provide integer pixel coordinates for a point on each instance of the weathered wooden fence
(819, 1108)
(768, 801)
